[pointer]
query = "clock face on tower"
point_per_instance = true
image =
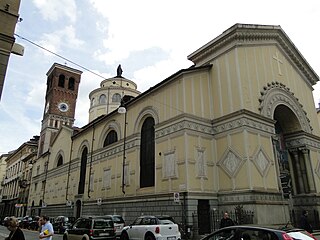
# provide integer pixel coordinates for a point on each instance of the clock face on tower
(63, 107)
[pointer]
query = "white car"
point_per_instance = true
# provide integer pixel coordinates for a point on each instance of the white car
(151, 228)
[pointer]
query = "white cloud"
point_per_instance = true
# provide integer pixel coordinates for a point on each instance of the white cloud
(57, 9)
(64, 38)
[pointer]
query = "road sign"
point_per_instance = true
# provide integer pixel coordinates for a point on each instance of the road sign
(176, 197)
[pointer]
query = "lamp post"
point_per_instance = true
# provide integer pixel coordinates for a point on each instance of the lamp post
(123, 110)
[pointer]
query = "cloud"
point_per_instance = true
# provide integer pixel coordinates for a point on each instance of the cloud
(64, 38)
(57, 9)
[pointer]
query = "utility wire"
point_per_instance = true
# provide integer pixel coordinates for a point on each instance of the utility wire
(66, 59)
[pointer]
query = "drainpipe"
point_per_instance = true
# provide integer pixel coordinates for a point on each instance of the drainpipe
(90, 169)
(69, 169)
(45, 178)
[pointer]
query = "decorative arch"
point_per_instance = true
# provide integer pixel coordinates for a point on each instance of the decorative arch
(275, 94)
(61, 80)
(113, 125)
(147, 153)
(146, 112)
(71, 83)
(84, 144)
(102, 99)
(59, 159)
(116, 97)
(294, 169)
(84, 151)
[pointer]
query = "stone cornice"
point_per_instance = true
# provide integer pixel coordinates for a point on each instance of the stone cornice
(302, 139)
(243, 119)
(241, 34)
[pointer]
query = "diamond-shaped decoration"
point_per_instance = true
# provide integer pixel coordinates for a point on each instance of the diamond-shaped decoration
(262, 162)
(230, 162)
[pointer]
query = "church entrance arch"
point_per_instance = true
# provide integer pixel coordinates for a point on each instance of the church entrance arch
(291, 125)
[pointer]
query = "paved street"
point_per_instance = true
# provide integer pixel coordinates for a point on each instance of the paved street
(29, 235)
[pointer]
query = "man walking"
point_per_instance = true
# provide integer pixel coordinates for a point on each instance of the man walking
(46, 228)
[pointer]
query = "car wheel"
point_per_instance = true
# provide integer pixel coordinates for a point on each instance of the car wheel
(149, 237)
(124, 236)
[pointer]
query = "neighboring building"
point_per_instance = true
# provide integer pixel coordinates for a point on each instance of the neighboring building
(9, 15)
(15, 185)
(238, 127)
(3, 165)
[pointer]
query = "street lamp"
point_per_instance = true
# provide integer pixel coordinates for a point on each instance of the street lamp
(123, 110)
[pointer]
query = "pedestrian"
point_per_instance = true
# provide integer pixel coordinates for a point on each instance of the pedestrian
(304, 222)
(226, 221)
(46, 232)
(13, 226)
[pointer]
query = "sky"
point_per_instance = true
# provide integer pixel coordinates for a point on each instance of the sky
(150, 39)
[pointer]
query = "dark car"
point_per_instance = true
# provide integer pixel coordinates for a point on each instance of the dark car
(93, 228)
(61, 224)
(25, 222)
(253, 233)
(34, 223)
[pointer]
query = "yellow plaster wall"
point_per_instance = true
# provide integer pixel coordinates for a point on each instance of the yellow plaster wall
(240, 75)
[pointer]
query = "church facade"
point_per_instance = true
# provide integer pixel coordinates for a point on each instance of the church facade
(239, 127)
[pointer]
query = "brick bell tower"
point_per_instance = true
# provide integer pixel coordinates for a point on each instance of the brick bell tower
(60, 102)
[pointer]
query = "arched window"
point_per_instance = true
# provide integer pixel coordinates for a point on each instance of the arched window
(71, 83)
(61, 80)
(116, 97)
(60, 161)
(83, 169)
(102, 99)
(147, 154)
(110, 138)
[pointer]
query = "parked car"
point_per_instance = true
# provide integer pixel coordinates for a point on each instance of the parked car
(26, 222)
(61, 224)
(151, 228)
(118, 223)
(91, 228)
(34, 223)
(19, 220)
(252, 233)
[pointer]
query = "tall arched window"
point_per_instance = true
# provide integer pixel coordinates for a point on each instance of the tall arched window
(116, 97)
(60, 161)
(83, 169)
(110, 138)
(71, 83)
(102, 99)
(147, 154)
(61, 80)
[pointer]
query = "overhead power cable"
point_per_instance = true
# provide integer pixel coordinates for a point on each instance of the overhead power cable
(87, 69)
(66, 59)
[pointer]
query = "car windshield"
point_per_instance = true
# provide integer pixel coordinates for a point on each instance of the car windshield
(100, 224)
(117, 219)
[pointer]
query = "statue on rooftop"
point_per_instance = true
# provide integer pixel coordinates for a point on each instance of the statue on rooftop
(119, 71)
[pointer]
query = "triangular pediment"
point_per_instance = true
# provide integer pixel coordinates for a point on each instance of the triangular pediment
(251, 34)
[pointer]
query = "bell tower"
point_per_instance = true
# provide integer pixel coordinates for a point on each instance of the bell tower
(60, 102)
